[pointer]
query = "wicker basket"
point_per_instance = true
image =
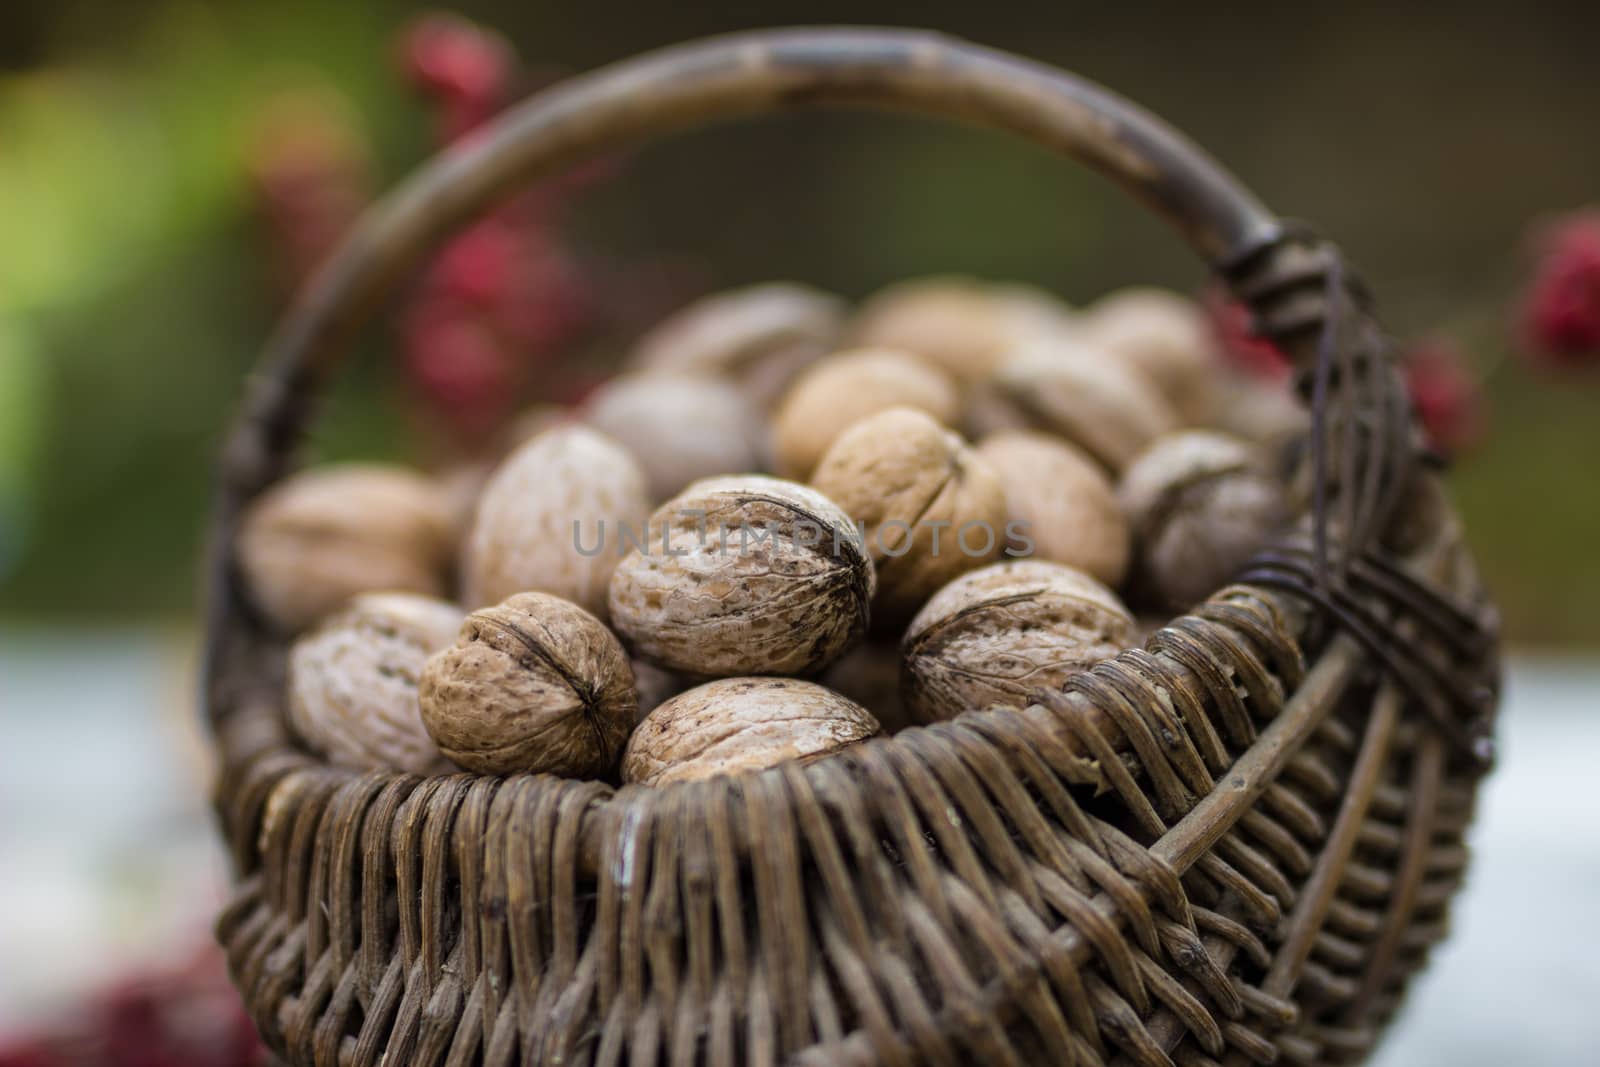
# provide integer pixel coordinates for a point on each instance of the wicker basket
(1234, 845)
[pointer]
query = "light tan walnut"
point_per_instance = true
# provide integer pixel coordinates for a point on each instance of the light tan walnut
(961, 325)
(1059, 504)
(1168, 338)
(758, 337)
(845, 388)
(739, 726)
(931, 508)
(321, 536)
(680, 428)
(1001, 635)
(1262, 412)
(1200, 504)
(353, 682)
(1100, 403)
(744, 575)
(550, 518)
(536, 685)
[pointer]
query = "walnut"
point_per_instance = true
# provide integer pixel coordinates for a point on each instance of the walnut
(1168, 338)
(739, 726)
(680, 428)
(845, 388)
(1096, 401)
(1261, 412)
(962, 326)
(319, 537)
(759, 337)
(744, 575)
(931, 509)
(535, 684)
(1060, 505)
(353, 682)
(1003, 634)
(1200, 505)
(550, 518)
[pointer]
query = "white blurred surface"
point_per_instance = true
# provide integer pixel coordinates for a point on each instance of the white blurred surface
(107, 857)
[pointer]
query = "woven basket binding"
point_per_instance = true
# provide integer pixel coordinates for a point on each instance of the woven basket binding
(1234, 845)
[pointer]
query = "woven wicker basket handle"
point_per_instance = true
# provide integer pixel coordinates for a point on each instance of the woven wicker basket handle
(1294, 282)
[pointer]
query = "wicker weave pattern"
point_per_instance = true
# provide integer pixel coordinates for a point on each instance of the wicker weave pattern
(1232, 846)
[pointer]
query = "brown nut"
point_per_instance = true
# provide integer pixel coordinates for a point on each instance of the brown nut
(758, 337)
(1060, 505)
(680, 428)
(960, 325)
(1003, 634)
(353, 682)
(1089, 396)
(1200, 506)
(319, 537)
(930, 508)
(1167, 337)
(536, 685)
(845, 388)
(739, 726)
(550, 518)
(744, 575)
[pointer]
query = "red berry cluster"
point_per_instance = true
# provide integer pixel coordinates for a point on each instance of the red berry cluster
(1241, 345)
(1561, 313)
(186, 1017)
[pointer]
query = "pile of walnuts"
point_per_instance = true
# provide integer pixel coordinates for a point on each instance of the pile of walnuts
(785, 528)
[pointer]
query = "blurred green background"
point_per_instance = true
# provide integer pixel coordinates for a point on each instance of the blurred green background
(135, 288)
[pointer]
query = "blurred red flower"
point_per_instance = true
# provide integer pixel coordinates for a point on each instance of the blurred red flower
(466, 69)
(1243, 348)
(1561, 312)
(1446, 395)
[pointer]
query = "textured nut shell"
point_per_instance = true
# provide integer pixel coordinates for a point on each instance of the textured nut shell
(1062, 501)
(845, 388)
(535, 684)
(324, 535)
(680, 428)
(1174, 462)
(1200, 506)
(523, 536)
(1090, 397)
(760, 605)
(353, 682)
(1168, 338)
(914, 485)
(759, 336)
(739, 726)
(1001, 634)
(960, 325)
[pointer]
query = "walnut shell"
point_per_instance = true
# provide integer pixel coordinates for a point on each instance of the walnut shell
(321, 536)
(931, 508)
(1261, 412)
(1060, 505)
(1002, 634)
(739, 726)
(1168, 338)
(759, 337)
(550, 518)
(1096, 401)
(744, 575)
(353, 682)
(680, 428)
(535, 684)
(1200, 505)
(960, 325)
(845, 388)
